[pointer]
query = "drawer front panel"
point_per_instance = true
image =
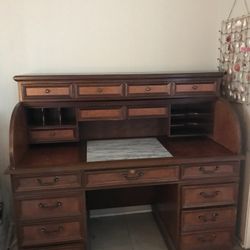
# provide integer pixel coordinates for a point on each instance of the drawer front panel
(213, 218)
(45, 234)
(164, 89)
(47, 92)
(23, 184)
(132, 176)
(50, 207)
(217, 240)
(99, 90)
(195, 88)
(213, 170)
(211, 195)
(101, 114)
(148, 112)
(52, 135)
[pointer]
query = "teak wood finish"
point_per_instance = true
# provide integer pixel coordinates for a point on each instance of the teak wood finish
(193, 194)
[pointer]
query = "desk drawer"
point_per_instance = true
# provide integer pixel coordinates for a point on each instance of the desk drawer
(36, 183)
(62, 247)
(148, 112)
(213, 218)
(52, 135)
(131, 176)
(209, 195)
(101, 114)
(99, 90)
(49, 233)
(213, 170)
(149, 89)
(47, 91)
(214, 240)
(199, 88)
(57, 206)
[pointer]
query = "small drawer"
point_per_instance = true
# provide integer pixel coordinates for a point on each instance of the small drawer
(149, 89)
(206, 88)
(131, 176)
(52, 135)
(98, 90)
(101, 114)
(148, 112)
(62, 247)
(47, 91)
(36, 183)
(216, 240)
(52, 207)
(49, 233)
(213, 170)
(203, 219)
(209, 195)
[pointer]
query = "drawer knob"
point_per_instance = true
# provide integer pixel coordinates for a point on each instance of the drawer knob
(209, 194)
(195, 87)
(56, 205)
(207, 238)
(47, 91)
(99, 90)
(208, 170)
(148, 89)
(53, 182)
(50, 231)
(133, 175)
(211, 218)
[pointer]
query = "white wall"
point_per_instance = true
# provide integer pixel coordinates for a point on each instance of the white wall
(103, 36)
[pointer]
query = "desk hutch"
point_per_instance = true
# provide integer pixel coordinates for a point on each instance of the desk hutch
(193, 194)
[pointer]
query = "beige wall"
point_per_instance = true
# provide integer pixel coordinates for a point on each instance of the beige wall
(104, 36)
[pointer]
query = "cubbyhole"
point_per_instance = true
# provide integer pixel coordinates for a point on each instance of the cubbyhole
(51, 117)
(35, 117)
(191, 119)
(68, 116)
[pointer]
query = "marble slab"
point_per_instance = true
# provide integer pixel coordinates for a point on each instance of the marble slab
(125, 149)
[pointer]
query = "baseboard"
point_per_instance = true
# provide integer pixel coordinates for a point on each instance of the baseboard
(107, 212)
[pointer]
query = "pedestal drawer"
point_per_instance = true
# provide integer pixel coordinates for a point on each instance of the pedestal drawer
(52, 207)
(45, 182)
(209, 195)
(214, 240)
(131, 176)
(212, 170)
(51, 233)
(213, 218)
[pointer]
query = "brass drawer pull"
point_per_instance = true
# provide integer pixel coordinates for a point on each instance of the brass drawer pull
(195, 87)
(148, 89)
(205, 218)
(47, 91)
(207, 171)
(207, 238)
(56, 205)
(42, 183)
(133, 175)
(47, 231)
(209, 194)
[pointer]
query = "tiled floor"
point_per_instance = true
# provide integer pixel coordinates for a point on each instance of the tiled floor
(127, 232)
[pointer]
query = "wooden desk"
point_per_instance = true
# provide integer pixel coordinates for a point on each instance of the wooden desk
(193, 194)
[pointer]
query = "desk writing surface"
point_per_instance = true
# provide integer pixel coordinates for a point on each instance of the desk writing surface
(125, 149)
(71, 155)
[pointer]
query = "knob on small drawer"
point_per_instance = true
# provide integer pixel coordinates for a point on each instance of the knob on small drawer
(47, 91)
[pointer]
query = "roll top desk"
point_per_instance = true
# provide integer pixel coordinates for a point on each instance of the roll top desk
(193, 194)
